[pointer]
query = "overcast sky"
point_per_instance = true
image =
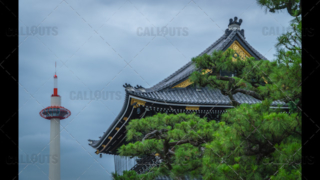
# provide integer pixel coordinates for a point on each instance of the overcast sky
(99, 46)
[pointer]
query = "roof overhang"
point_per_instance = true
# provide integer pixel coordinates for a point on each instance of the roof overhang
(116, 132)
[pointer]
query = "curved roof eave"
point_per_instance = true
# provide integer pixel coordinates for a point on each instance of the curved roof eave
(178, 76)
(213, 98)
(98, 143)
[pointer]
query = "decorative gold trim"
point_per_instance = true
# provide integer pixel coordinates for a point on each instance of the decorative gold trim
(264, 80)
(234, 59)
(206, 71)
(125, 118)
(103, 145)
(183, 84)
(110, 137)
(193, 108)
(239, 50)
(284, 87)
(117, 128)
(187, 82)
(139, 102)
(97, 152)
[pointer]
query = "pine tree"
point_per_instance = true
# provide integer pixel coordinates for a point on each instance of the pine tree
(293, 7)
(251, 141)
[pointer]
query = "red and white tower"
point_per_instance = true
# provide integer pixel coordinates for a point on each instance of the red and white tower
(55, 113)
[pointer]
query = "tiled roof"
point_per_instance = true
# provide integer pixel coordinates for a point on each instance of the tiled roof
(190, 95)
(187, 95)
(187, 69)
(162, 92)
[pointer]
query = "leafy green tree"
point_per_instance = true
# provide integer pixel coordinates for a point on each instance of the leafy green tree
(263, 79)
(292, 6)
(268, 142)
(254, 143)
(127, 175)
(251, 141)
(178, 140)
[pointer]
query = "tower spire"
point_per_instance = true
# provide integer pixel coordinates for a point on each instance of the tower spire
(55, 86)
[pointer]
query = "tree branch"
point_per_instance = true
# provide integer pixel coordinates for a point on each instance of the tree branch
(230, 79)
(171, 152)
(178, 142)
(150, 134)
(154, 133)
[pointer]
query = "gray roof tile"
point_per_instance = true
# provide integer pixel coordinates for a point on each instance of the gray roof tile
(163, 92)
(188, 68)
(190, 95)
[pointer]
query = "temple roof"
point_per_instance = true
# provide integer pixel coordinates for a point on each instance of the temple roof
(221, 44)
(193, 95)
(163, 92)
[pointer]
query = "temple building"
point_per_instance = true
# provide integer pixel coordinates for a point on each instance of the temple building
(175, 94)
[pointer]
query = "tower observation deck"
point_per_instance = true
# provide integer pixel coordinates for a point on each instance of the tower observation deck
(55, 113)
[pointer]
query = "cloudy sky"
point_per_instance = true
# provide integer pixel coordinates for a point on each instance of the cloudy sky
(100, 45)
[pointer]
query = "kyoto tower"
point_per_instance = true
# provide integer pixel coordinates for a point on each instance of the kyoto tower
(55, 113)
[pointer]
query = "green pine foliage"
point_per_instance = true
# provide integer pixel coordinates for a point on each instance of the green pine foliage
(251, 141)
(293, 7)
(177, 138)
(127, 175)
(254, 142)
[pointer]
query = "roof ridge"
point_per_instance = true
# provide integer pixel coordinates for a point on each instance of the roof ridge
(170, 76)
(254, 50)
(212, 45)
(155, 87)
(227, 37)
